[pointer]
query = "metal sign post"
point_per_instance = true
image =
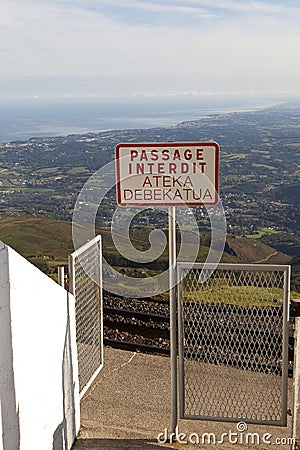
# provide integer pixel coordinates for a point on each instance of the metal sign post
(173, 338)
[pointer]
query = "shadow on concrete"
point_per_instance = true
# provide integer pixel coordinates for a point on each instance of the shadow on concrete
(118, 444)
(65, 433)
(9, 410)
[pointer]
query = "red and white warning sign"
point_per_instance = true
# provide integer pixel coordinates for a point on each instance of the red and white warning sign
(168, 174)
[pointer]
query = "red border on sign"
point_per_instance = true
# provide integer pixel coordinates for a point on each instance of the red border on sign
(167, 144)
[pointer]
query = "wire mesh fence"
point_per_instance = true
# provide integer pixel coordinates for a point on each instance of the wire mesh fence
(233, 342)
(86, 286)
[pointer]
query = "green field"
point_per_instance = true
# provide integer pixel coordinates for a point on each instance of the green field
(49, 170)
(78, 170)
(244, 296)
(261, 232)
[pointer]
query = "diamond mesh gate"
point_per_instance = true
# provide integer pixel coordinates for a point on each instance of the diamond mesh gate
(233, 342)
(85, 271)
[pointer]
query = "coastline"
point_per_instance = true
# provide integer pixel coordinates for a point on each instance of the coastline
(23, 121)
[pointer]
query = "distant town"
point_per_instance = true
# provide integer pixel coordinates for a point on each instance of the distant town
(259, 173)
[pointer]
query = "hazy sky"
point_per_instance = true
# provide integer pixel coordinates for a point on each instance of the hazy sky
(165, 47)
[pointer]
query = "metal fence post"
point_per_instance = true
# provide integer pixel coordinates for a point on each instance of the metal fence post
(100, 275)
(61, 275)
(296, 388)
(71, 274)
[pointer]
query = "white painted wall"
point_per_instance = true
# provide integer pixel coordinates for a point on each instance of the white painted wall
(39, 389)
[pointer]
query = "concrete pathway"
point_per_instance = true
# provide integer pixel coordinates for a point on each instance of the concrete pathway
(128, 406)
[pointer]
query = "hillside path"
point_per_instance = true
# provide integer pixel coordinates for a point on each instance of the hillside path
(266, 259)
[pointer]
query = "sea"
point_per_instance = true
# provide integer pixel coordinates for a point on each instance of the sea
(34, 117)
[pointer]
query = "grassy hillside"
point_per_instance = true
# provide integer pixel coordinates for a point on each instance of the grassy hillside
(252, 251)
(43, 241)
(47, 243)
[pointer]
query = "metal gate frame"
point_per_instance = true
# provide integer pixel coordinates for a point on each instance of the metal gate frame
(75, 263)
(181, 266)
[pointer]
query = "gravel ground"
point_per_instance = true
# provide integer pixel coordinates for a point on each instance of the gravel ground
(142, 305)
